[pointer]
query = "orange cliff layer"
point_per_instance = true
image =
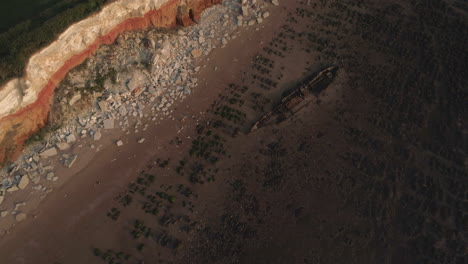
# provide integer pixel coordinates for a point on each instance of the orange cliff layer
(16, 127)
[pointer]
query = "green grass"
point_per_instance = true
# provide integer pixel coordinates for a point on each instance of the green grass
(37, 30)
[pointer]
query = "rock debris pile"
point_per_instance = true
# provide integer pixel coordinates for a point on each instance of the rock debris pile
(138, 79)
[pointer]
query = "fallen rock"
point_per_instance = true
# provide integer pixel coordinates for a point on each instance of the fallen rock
(18, 206)
(245, 10)
(70, 138)
(70, 161)
(123, 110)
(196, 53)
(137, 82)
(48, 152)
(50, 176)
(109, 124)
(20, 217)
(119, 143)
(104, 106)
(62, 145)
(75, 99)
(13, 189)
(141, 140)
(23, 182)
(35, 179)
(97, 135)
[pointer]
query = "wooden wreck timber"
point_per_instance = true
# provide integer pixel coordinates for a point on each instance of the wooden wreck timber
(297, 99)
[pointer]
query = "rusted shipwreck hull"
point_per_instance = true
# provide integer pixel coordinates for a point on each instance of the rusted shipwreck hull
(297, 99)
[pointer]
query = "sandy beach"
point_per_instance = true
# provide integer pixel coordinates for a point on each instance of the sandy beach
(371, 170)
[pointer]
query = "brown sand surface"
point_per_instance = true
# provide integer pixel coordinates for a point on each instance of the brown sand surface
(372, 171)
(72, 218)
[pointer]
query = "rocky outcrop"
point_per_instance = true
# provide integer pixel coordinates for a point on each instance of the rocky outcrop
(25, 103)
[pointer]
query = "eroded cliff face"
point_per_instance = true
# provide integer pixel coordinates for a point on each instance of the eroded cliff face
(25, 103)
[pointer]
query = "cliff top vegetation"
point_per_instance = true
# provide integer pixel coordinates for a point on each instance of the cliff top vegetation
(21, 41)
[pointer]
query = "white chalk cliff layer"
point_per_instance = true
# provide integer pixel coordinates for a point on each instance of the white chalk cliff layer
(25, 102)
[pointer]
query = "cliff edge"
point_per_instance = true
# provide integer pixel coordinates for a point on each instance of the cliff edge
(25, 102)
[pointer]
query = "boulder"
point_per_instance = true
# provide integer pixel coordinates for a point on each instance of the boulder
(104, 106)
(137, 83)
(20, 217)
(119, 143)
(48, 152)
(245, 10)
(23, 182)
(70, 138)
(50, 176)
(123, 110)
(109, 124)
(196, 53)
(97, 135)
(62, 145)
(13, 189)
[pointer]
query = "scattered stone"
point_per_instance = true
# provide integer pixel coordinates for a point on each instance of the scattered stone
(23, 182)
(13, 189)
(275, 2)
(75, 99)
(50, 176)
(20, 217)
(97, 135)
(62, 145)
(35, 180)
(70, 138)
(70, 161)
(123, 110)
(245, 10)
(4, 213)
(266, 14)
(18, 206)
(104, 106)
(109, 124)
(48, 152)
(141, 140)
(137, 82)
(119, 143)
(251, 22)
(1, 198)
(196, 53)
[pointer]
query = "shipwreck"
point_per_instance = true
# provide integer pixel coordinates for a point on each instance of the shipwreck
(297, 99)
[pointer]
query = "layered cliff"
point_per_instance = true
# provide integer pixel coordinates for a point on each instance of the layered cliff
(25, 102)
